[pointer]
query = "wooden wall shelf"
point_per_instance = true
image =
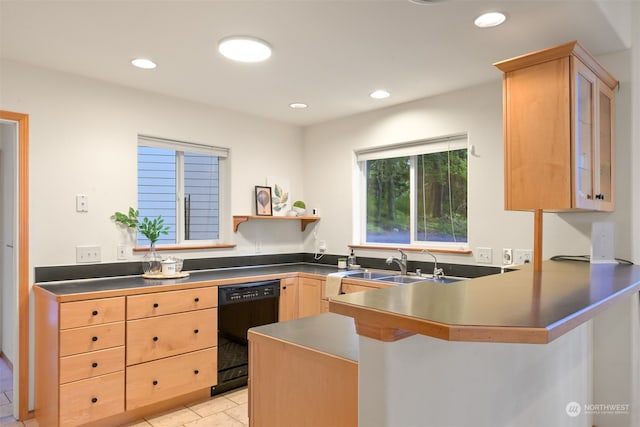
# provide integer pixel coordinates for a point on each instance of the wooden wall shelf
(304, 220)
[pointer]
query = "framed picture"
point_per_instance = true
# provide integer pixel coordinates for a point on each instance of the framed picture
(263, 201)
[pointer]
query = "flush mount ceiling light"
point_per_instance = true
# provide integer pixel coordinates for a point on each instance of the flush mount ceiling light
(298, 105)
(490, 19)
(146, 64)
(379, 94)
(244, 49)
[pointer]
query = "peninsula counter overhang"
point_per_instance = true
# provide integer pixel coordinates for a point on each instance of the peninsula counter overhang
(516, 307)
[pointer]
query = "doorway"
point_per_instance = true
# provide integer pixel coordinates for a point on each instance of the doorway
(14, 279)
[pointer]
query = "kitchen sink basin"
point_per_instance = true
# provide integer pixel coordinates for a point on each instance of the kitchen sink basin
(367, 275)
(399, 279)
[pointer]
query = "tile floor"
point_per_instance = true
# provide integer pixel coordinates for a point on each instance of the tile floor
(226, 410)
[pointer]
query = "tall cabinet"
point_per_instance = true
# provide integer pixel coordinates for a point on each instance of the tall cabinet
(558, 131)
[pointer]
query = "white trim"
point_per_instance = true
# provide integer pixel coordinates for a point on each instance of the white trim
(192, 147)
(413, 148)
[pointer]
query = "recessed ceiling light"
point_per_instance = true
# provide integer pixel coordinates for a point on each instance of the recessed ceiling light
(379, 94)
(147, 64)
(244, 49)
(490, 19)
(298, 105)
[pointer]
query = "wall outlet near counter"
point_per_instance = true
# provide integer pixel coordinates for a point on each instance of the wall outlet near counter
(484, 255)
(522, 256)
(507, 256)
(86, 254)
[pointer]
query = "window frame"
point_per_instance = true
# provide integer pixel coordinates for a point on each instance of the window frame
(224, 216)
(411, 149)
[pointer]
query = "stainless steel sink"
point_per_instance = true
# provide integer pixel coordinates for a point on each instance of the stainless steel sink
(367, 275)
(443, 280)
(399, 279)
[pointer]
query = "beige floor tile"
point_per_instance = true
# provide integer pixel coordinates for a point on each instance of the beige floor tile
(216, 420)
(4, 399)
(240, 413)
(31, 423)
(138, 423)
(9, 394)
(9, 421)
(239, 396)
(6, 410)
(175, 418)
(212, 406)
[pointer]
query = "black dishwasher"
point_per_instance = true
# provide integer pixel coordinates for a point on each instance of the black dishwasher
(241, 307)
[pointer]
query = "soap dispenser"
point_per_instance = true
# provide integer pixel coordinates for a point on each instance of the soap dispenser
(351, 261)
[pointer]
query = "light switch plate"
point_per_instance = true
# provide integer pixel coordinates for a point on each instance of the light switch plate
(484, 255)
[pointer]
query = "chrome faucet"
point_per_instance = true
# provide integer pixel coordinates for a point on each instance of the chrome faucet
(402, 262)
(437, 272)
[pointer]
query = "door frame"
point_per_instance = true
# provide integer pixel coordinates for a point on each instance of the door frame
(22, 121)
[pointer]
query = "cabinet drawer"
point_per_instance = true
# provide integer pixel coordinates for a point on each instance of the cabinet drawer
(91, 338)
(163, 379)
(88, 400)
(158, 337)
(160, 303)
(88, 365)
(91, 312)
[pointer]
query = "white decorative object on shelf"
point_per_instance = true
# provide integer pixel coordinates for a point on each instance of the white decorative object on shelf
(279, 195)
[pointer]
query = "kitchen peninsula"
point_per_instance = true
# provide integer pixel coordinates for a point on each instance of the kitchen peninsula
(522, 351)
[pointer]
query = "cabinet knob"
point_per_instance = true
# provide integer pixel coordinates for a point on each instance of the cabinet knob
(284, 288)
(195, 331)
(196, 371)
(155, 382)
(155, 338)
(94, 365)
(94, 338)
(197, 299)
(94, 312)
(94, 399)
(155, 305)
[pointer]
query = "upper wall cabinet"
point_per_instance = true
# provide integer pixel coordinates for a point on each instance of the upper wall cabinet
(558, 131)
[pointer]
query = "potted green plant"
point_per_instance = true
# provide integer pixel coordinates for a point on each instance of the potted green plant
(152, 229)
(300, 207)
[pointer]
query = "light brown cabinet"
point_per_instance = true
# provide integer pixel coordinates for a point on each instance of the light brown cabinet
(80, 376)
(558, 131)
(99, 358)
(288, 303)
(310, 293)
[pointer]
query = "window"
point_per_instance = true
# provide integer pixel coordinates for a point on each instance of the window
(415, 193)
(183, 182)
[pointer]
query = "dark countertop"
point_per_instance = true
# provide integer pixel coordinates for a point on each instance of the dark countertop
(223, 275)
(518, 306)
(327, 333)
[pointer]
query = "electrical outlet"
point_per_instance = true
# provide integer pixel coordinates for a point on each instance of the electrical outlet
(322, 246)
(85, 254)
(122, 251)
(507, 256)
(484, 255)
(522, 256)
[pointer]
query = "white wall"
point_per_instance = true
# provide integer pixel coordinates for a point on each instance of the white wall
(328, 156)
(83, 138)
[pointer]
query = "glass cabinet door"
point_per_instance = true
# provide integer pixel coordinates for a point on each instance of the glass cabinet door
(604, 192)
(584, 135)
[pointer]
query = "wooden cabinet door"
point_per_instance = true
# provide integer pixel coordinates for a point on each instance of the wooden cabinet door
(92, 364)
(91, 338)
(309, 296)
(91, 312)
(288, 309)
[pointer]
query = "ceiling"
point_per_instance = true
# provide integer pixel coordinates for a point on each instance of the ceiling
(329, 54)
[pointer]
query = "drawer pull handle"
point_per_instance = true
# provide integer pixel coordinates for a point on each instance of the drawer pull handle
(94, 399)
(195, 331)
(156, 305)
(155, 382)
(94, 338)
(94, 365)
(197, 299)
(155, 338)
(196, 372)
(94, 312)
